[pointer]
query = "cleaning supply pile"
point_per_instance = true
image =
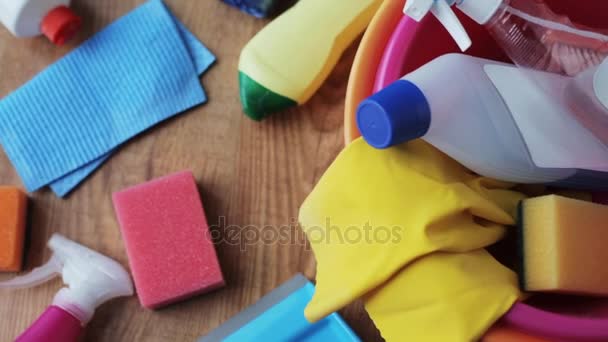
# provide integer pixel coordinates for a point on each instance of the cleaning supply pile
(472, 175)
(503, 122)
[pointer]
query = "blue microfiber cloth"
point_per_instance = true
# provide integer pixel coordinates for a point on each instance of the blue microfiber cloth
(202, 59)
(137, 72)
(67, 183)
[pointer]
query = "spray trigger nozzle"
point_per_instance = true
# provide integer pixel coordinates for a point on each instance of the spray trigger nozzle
(36, 277)
(92, 278)
(441, 9)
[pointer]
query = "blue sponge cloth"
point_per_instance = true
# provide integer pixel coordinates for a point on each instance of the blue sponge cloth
(140, 70)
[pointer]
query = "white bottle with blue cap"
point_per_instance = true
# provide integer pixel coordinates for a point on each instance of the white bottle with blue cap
(490, 118)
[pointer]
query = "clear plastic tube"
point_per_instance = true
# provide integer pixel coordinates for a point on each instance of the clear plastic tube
(533, 36)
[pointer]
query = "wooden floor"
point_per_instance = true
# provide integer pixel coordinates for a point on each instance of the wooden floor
(249, 174)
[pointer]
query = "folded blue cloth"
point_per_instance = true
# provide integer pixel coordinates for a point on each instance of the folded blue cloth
(140, 70)
(62, 186)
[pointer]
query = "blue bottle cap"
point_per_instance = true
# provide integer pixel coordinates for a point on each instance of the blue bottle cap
(396, 114)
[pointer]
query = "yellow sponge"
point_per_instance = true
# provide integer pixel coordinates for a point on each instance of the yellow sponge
(564, 246)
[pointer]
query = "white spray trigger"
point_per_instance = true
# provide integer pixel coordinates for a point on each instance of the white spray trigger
(442, 10)
(92, 278)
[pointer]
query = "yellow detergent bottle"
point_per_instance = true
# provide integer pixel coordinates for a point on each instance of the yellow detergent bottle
(288, 60)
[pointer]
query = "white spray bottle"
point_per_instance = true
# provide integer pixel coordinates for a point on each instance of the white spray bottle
(498, 124)
(531, 34)
(534, 37)
(92, 279)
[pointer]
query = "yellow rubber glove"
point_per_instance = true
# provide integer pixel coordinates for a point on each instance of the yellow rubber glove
(422, 201)
(443, 297)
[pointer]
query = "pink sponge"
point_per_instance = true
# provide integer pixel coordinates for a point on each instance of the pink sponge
(170, 250)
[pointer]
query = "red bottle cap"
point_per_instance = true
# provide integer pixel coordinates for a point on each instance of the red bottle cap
(60, 25)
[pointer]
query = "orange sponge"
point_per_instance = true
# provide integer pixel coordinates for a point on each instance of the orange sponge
(13, 209)
(563, 246)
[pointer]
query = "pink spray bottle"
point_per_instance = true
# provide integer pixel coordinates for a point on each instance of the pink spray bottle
(92, 279)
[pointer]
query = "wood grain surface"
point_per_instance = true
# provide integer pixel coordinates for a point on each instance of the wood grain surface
(249, 174)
